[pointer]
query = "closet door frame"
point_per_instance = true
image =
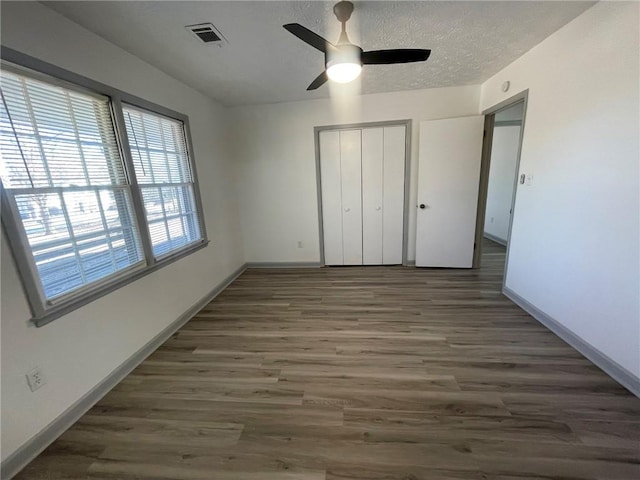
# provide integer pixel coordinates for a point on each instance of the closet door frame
(407, 172)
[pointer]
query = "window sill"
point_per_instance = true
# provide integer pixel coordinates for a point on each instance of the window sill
(77, 301)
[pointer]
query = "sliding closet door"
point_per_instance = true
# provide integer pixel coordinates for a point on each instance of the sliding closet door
(351, 170)
(331, 183)
(393, 195)
(372, 195)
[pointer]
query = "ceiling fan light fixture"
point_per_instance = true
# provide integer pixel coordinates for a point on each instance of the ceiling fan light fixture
(344, 72)
(344, 63)
(344, 60)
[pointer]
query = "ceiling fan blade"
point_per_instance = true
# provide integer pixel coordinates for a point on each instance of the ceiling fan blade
(309, 37)
(400, 55)
(319, 81)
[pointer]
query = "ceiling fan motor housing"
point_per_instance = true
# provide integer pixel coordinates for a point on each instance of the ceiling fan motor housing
(345, 53)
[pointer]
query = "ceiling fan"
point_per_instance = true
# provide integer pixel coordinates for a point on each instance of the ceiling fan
(344, 60)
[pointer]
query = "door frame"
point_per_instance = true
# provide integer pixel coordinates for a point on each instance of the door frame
(407, 173)
(485, 164)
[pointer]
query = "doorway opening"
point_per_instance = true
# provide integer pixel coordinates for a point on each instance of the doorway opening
(504, 127)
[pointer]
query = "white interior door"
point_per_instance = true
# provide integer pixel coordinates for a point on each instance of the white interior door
(393, 202)
(448, 179)
(351, 170)
(372, 188)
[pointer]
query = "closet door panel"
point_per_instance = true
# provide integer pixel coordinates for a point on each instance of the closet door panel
(331, 187)
(393, 195)
(351, 169)
(372, 186)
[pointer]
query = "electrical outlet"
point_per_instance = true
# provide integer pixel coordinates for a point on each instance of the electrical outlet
(36, 379)
(529, 180)
(491, 219)
(300, 244)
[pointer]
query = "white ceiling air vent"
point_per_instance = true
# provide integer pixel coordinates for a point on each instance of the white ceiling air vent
(207, 33)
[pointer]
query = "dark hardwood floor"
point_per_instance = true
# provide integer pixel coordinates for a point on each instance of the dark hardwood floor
(372, 373)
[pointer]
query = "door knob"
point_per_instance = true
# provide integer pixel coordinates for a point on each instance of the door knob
(347, 209)
(378, 208)
(422, 206)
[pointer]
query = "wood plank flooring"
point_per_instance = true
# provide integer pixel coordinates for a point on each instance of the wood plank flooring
(371, 373)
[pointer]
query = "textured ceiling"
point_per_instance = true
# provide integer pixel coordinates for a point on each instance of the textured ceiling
(263, 63)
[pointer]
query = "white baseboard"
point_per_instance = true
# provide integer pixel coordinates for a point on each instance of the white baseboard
(616, 371)
(34, 446)
(283, 264)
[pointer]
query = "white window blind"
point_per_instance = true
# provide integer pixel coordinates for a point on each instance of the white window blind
(161, 162)
(63, 175)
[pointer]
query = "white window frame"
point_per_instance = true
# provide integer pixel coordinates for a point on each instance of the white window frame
(168, 184)
(44, 311)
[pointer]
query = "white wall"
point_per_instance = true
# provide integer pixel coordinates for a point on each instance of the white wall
(276, 162)
(502, 172)
(80, 349)
(574, 242)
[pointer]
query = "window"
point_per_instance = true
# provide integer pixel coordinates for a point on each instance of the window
(84, 209)
(159, 154)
